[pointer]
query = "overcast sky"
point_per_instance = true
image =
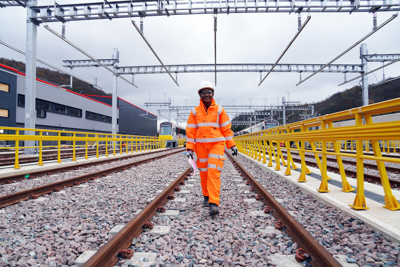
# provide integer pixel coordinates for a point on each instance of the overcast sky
(241, 38)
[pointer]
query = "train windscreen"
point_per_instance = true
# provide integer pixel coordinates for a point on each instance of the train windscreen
(165, 129)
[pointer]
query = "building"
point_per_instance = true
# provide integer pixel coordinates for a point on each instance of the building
(132, 119)
(56, 108)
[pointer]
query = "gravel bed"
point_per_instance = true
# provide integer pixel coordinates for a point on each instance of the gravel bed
(335, 230)
(6, 189)
(231, 238)
(55, 232)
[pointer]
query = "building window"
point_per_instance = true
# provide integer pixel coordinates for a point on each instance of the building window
(4, 113)
(40, 113)
(43, 105)
(4, 87)
(97, 117)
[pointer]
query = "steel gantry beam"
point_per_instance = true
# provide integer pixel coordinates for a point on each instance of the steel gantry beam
(192, 68)
(89, 63)
(381, 57)
(128, 8)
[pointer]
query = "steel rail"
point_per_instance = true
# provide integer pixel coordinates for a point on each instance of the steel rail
(287, 48)
(154, 52)
(48, 188)
(351, 47)
(320, 256)
(107, 255)
(38, 173)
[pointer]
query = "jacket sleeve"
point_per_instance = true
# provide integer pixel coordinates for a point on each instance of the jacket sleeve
(191, 130)
(225, 128)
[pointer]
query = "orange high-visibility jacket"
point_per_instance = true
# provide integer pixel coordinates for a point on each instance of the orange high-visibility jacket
(208, 125)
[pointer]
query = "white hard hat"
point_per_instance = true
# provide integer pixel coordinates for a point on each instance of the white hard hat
(204, 85)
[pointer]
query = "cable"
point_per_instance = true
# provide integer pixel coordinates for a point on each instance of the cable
(154, 52)
(394, 61)
(86, 54)
(44, 63)
(286, 49)
(354, 45)
(215, 46)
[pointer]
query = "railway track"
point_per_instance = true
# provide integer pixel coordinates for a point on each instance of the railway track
(56, 232)
(39, 173)
(120, 244)
(34, 193)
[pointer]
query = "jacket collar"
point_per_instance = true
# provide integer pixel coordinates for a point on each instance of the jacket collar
(213, 104)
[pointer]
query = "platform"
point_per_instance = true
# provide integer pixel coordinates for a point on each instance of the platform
(377, 217)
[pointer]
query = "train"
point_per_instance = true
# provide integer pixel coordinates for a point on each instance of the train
(174, 134)
(267, 124)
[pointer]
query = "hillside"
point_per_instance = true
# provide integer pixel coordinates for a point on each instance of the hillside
(56, 78)
(349, 98)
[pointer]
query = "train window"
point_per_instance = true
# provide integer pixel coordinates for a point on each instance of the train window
(165, 129)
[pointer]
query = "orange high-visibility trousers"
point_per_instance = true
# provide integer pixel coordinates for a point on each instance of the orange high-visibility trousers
(210, 161)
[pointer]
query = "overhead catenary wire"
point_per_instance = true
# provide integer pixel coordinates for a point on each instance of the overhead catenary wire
(286, 49)
(215, 47)
(44, 63)
(394, 61)
(154, 52)
(351, 47)
(86, 54)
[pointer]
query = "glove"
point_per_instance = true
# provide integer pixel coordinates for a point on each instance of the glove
(235, 151)
(189, 153)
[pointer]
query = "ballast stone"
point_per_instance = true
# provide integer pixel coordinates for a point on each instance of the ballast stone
(142, 259)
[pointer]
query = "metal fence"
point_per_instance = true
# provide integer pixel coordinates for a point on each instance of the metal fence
(370, 141)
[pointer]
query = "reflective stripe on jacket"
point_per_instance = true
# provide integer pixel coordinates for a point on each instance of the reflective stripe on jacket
(208, 125)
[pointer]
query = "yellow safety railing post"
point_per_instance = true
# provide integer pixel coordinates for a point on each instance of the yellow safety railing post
(131, 144)
(359, 202)
(106, 145)
(86, 146)
(59, 148)
(136, 144)
(323, 188)
(74, 147)
(113, 143)
(288, 158)
(16, 163)
(97, 146)
(264, 147)
(40, 148)
(271, 152)
(346, 187)
(391, 202)
(302, 177)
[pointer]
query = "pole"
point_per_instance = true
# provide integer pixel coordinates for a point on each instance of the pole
(364, 84)
(114, 105)
(284, 110)
(30, 76)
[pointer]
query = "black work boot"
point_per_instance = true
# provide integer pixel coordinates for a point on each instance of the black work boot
(213, 209)
(205, 203)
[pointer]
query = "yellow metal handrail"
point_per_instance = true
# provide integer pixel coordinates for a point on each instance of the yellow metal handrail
(17, 136)
(320, 133)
